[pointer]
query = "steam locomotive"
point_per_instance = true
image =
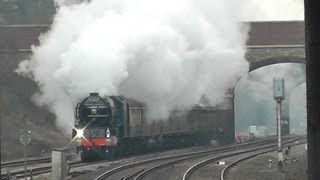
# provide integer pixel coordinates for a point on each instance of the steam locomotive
(109, 127)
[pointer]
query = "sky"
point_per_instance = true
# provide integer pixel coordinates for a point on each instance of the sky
(259, 10)
(272, 10)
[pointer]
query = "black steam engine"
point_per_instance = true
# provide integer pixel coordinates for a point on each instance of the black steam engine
(108, 127)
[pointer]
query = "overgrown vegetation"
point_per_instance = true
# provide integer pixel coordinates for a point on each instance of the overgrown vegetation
(26, 11)
(19, 112)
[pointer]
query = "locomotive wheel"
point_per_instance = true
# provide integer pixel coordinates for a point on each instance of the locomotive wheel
(112, 153)
(119, 151)
(88, 155)
(84, 156)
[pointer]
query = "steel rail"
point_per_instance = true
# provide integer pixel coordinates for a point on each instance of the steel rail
(199, 153)
(135, 164)
(47, 169)
(227, 168)
(166, 164)
(37, 170)
(130, 176)
(30, 161)
(196, 166)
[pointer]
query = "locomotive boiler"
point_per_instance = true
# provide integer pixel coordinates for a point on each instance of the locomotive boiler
(109, 127)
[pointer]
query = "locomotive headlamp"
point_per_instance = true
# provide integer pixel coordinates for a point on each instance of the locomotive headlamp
(78, 142)
(79, 133)
(108, 133)
(94, 111)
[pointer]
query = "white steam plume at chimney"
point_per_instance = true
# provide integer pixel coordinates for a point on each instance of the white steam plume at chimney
(166, 53)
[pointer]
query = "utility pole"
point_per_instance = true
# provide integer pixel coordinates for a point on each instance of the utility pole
(279, 95)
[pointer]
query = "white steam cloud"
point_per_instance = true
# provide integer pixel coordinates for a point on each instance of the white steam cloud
(167, 54)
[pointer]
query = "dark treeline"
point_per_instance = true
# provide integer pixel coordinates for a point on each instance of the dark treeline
(26, 11)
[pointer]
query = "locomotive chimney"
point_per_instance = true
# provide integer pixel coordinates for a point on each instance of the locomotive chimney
(94, 94)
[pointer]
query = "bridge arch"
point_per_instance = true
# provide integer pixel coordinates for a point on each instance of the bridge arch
(254, 65)
(298, 121)
(274, 60)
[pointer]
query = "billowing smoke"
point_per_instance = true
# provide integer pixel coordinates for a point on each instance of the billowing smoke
(167, 54)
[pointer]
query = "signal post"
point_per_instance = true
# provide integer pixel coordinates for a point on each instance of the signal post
(279, 95)
(25, 139)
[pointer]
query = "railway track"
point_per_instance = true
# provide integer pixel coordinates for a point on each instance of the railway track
(21, 163)
(36, 171)
(136, 172)
(44, 169)
(227, 168)
(258, 151)
(32, 171)
(31, 161)
(140, 169)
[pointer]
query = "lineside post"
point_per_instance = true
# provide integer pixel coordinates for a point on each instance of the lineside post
(59, 164)
(279, 95)
(25, 139)
(280, 154)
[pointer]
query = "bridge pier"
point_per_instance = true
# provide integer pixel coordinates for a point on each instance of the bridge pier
(226, 115)
(312, 28)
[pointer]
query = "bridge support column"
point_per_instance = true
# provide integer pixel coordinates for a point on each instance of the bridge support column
(312, 29)
(226, 116)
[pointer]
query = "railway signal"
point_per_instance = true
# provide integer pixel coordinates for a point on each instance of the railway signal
(25, 139)
(279, 95)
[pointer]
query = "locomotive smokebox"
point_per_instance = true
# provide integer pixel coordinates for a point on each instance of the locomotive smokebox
(94, 94)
